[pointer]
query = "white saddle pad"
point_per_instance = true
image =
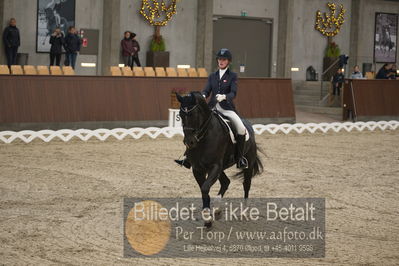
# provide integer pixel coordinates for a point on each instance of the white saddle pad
(233, 139)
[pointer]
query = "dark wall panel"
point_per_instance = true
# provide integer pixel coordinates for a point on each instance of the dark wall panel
(371, 98)
(83, 98)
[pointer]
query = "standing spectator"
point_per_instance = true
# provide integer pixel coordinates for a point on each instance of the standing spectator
(56, 41)
(356, 73)
(127, 49)
(136, 47)
(337, 81)
(72, 46)
(384, 72)
(11, 41)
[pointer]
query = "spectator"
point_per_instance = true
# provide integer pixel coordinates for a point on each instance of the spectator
(394, 72)
(56, 41)
(356, 73)
(384, 72)
(72, 46)
(136, 47)
(337, 81)
(127, 49)
(11, 41)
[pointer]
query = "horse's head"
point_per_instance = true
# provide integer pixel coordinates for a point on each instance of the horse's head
(195, 115)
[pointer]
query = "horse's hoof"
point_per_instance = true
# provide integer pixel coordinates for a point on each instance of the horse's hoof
(207, 217)
(217, 213)
(208, 224)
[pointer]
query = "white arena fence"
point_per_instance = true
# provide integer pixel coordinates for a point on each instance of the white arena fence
(154, 132)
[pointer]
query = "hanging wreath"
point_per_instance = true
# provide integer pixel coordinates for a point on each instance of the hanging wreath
(157, 12)
(330, 24)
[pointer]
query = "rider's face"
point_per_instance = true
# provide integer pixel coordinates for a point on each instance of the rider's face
(13, 22)
(223, 63)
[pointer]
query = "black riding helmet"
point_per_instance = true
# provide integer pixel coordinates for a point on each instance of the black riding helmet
(224, 53)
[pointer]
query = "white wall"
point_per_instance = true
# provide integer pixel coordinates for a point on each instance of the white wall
(254, 8)
(309, 44)
(179, 34)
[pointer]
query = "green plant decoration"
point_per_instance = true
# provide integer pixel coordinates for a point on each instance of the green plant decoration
(332, 50)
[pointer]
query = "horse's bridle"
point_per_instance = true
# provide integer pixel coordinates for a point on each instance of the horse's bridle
(198, 133)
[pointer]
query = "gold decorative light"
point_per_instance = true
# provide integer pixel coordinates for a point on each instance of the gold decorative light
(156, 12)
(330, 24)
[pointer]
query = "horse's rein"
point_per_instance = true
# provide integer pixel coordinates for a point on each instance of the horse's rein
(200, 133)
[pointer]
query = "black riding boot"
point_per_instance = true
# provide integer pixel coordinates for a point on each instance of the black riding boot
(242, 162)
(184, 162)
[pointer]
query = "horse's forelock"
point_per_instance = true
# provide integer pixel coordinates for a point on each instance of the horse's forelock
(199, 99)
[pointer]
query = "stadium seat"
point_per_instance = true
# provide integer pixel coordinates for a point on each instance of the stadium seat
(182, 72)
(30, 70)
(160, 72)
(171, 72)
(43, 70)
(4, 70)
(138, 72)
(202, 72)
(192, 73)
(127, 71)
(68, 70)
(115, 71)
(16, 70)
(55, 70)
(149, 72)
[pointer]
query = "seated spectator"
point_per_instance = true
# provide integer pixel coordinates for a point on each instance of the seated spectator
(394, 72)
(337, 81)
(384, 72)
(356, 74)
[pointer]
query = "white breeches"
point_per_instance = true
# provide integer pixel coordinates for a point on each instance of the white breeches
(234, 118)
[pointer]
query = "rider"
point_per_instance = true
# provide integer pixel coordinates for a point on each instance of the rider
(222, 87)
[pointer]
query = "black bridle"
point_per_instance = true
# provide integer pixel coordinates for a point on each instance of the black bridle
(199, 134)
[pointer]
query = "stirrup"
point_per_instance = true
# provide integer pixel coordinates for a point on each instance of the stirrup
(242, 163)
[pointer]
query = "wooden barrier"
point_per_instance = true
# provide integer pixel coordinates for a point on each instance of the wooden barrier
(47, 99)
(371, 99)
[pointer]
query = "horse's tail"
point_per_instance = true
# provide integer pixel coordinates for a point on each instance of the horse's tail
(257, 168)
(258, 165)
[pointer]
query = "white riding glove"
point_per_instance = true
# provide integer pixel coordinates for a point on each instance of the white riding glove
(220, 97)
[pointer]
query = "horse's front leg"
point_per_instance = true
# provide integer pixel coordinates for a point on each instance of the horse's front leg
(213, 175)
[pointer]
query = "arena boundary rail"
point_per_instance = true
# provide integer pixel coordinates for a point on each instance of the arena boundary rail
(66, 135)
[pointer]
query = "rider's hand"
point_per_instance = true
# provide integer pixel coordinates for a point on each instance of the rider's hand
(220, 97)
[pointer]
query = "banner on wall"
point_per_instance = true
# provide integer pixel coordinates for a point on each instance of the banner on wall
(50, 15)
(385, 39)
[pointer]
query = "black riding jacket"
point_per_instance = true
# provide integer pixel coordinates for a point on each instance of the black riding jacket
(226, 85)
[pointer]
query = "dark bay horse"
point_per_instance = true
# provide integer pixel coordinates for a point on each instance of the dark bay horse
(210, 149)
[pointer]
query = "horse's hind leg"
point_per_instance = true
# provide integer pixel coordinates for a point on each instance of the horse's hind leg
(247, 181)
(224, 184)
